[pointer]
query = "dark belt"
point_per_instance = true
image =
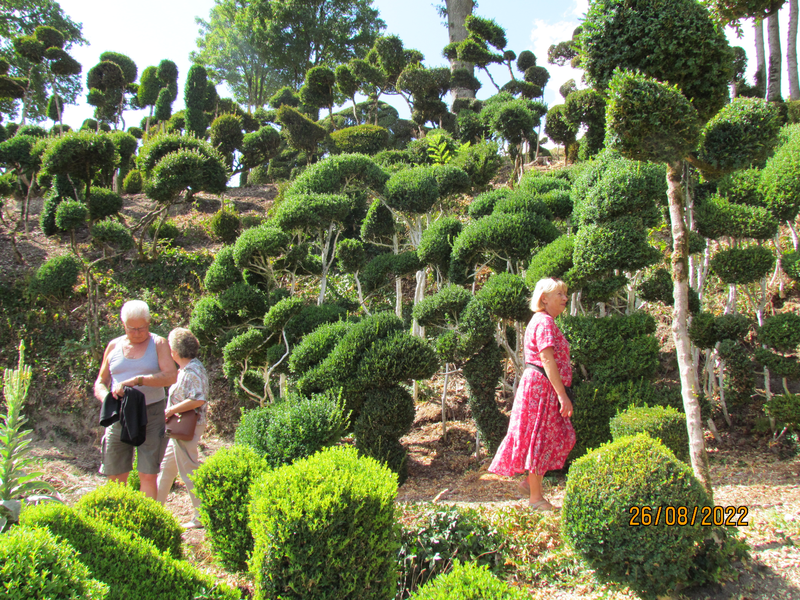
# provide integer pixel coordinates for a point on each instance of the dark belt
(568, 389)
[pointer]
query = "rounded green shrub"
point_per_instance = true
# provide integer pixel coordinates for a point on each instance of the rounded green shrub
(618, 244)
(439, 536)
(39, 566)
(223, 483)
(103, 203)
(292, 428)
(225, 225)
(412, 190)
(781, 332)
(58, 275)
(131, 567)
(613, 349)
(554, 260)
(364, 139)
(47, 218)
(639, 471)
(483, 204)
(70, 214)
(790, 263)
(326, 527)
(113, 234)
(387, 414)
(742, 265)
(717, 217)
(468, 581)
(132, 511)
(133, 182)
(663, 423)
(167, 231)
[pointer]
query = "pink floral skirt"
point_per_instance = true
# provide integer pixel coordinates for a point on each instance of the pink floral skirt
(539, 438)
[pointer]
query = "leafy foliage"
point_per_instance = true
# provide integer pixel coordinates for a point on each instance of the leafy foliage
(132, 511)
(439, 538)
(639, 471)
(223, 483)
(292, 428)
(325, 526)
(38, 566)
(662, 423)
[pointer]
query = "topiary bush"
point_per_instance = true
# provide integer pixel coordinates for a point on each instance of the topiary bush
(364, 139)
(132, 511)
(103, 203)
(225, 225)
(293, 428)
(326, 527)
(57, 276)
(133, 183)
(662, 423)
(627, 481)
(742, 265)
(441, 534)
(223, 483)
(613, 349)
(601, 402)
(131, 567)
(468, 581)
(36, 565)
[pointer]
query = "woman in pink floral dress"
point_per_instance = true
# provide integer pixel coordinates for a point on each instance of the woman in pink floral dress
(540, 434)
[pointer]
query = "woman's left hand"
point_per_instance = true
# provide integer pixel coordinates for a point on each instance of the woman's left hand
(566, 407)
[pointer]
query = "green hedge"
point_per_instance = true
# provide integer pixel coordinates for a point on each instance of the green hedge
(131, 567)
(742, 265)
(132, 511)
(326, 527)
(36, 565)
(659, 422)
(225, 225)
(292, 428)
(223, 484)
(365, 139)
(613, 349)
(639, 471)
(468, 581)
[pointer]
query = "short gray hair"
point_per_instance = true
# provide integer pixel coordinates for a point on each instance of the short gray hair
(183, 342)
(135, 309)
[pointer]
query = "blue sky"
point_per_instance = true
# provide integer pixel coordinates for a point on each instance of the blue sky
(151, 30)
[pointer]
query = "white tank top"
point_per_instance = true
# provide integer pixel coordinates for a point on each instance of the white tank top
(127, 368)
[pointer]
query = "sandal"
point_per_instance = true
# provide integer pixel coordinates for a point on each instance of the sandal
(541, 505)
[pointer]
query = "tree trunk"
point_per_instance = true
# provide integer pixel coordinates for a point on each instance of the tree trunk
(791, 52)
(680, 319)
(774, 71)
(761, 61)
(457, 13)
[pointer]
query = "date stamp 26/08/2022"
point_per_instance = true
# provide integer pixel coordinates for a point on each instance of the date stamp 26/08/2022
(706, 516)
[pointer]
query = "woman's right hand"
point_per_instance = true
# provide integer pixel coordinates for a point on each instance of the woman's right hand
(566, 406)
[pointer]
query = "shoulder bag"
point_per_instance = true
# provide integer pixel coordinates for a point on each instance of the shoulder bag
(181, 426)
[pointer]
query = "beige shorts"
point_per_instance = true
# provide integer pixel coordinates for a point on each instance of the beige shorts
(118, 456)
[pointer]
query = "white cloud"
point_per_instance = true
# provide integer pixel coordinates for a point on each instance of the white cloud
(580, 8)
(544, 35)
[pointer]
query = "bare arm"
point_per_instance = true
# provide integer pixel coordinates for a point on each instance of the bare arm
(187, 404)
(547, 355)
(104, 376)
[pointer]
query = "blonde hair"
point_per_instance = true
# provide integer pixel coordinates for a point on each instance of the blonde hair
(545, 286)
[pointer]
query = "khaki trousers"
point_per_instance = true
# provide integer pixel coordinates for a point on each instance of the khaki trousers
(181, 458)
